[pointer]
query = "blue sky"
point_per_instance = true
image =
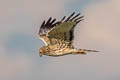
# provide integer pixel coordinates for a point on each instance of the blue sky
(20, 21)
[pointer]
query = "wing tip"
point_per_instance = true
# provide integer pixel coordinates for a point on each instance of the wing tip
(73, 17)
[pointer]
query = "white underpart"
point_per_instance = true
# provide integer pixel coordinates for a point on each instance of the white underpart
(43, 40)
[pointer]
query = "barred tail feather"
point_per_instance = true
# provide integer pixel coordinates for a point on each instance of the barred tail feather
(89, 50)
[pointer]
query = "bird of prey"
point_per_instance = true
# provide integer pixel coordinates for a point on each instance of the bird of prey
(58, 36)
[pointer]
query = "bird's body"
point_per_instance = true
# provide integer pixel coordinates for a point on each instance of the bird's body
(58, 37)
(58, 49)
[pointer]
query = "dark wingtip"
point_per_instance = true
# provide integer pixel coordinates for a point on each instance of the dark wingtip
(75, 16)
(79, 18)
(53, 21)
(43, 23)
(70, 17)
(63, 19)
(48, 20)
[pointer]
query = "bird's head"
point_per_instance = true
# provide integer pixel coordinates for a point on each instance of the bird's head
(43, 50)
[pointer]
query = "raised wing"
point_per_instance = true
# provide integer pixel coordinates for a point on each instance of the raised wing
(65, 29)
(44, 28)
(51, 32)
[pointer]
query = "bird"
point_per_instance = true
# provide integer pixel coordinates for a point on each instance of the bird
(58, 36)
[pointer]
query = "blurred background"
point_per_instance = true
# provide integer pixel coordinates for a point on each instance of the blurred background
(19, 46)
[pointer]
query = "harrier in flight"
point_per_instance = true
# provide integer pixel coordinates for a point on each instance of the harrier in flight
(58, 36)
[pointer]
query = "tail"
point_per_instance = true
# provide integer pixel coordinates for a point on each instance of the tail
(85, 50)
